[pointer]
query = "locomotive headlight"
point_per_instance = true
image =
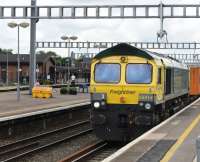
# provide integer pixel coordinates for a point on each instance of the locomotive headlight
(146, 97)
(141, 103)
(103, 103)
(96, 105)
(147, 106)
(99, 100)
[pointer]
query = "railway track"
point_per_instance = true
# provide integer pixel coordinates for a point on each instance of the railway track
(98, 151)
(92, 153)
(95, 152)
(16, 150)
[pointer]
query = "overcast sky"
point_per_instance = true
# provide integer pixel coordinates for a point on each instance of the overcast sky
(182, 30)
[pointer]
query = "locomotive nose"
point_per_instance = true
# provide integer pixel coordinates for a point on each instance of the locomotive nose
(99, 119)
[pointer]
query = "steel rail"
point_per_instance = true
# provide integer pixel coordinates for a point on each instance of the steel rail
(86, 151)
(83, 151)
(21, 144)
(4, 153)
(47, 145)
(41, 135)
(90, 153)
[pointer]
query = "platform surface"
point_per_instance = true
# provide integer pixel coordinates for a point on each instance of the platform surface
(9, 105)
(11, 88)
(172, 141)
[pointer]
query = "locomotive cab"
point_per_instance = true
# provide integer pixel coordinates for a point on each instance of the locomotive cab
(120, 92)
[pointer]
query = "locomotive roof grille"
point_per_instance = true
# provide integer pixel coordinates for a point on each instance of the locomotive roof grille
(123, 49)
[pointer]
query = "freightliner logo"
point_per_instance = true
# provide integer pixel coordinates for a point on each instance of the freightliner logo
(119, 92)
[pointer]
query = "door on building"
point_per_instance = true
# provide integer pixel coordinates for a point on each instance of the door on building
(3, 73)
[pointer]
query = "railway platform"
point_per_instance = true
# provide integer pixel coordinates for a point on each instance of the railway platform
(173, 140)
(27, 106)
(82, 86)
(12, 88)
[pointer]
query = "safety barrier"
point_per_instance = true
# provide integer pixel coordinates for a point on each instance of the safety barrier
(42, 92)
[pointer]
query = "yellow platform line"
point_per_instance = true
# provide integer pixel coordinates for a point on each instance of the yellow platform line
(180, 140)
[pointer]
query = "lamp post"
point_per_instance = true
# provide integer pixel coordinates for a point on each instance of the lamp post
(7, 68)
(13, 25)
(73, 38)
(55, 70)
(55, 76)
(37, 72)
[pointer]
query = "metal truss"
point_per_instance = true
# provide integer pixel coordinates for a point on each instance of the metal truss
(102, 12)
(190, 59)
(101, 45)
(85, 55)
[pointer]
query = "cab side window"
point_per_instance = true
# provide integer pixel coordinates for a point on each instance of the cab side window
(159, 76)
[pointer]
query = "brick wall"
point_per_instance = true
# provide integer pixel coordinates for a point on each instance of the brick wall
(12, 73)
(0, 74)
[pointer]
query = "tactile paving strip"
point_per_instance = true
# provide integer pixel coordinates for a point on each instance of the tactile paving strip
(156, 153)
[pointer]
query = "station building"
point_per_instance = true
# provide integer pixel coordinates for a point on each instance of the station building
(79, 67)
(47, 69)
(45, 66)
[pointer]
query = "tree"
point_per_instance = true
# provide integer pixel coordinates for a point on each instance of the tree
(41, 53)
(6, 51)
(58, 60)
(51, 53)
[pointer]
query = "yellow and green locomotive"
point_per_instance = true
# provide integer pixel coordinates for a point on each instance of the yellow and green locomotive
(132, 88)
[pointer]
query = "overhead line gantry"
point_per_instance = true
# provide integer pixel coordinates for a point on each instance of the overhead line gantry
(34, 13)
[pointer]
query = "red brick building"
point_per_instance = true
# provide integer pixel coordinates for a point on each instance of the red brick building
(45, 64)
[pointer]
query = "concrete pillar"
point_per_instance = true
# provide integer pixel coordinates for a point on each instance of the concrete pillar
(32, 66)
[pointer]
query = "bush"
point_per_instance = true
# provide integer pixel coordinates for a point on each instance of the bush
(68, 90)
(72, 90)
(64, 90)
(45, 82)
